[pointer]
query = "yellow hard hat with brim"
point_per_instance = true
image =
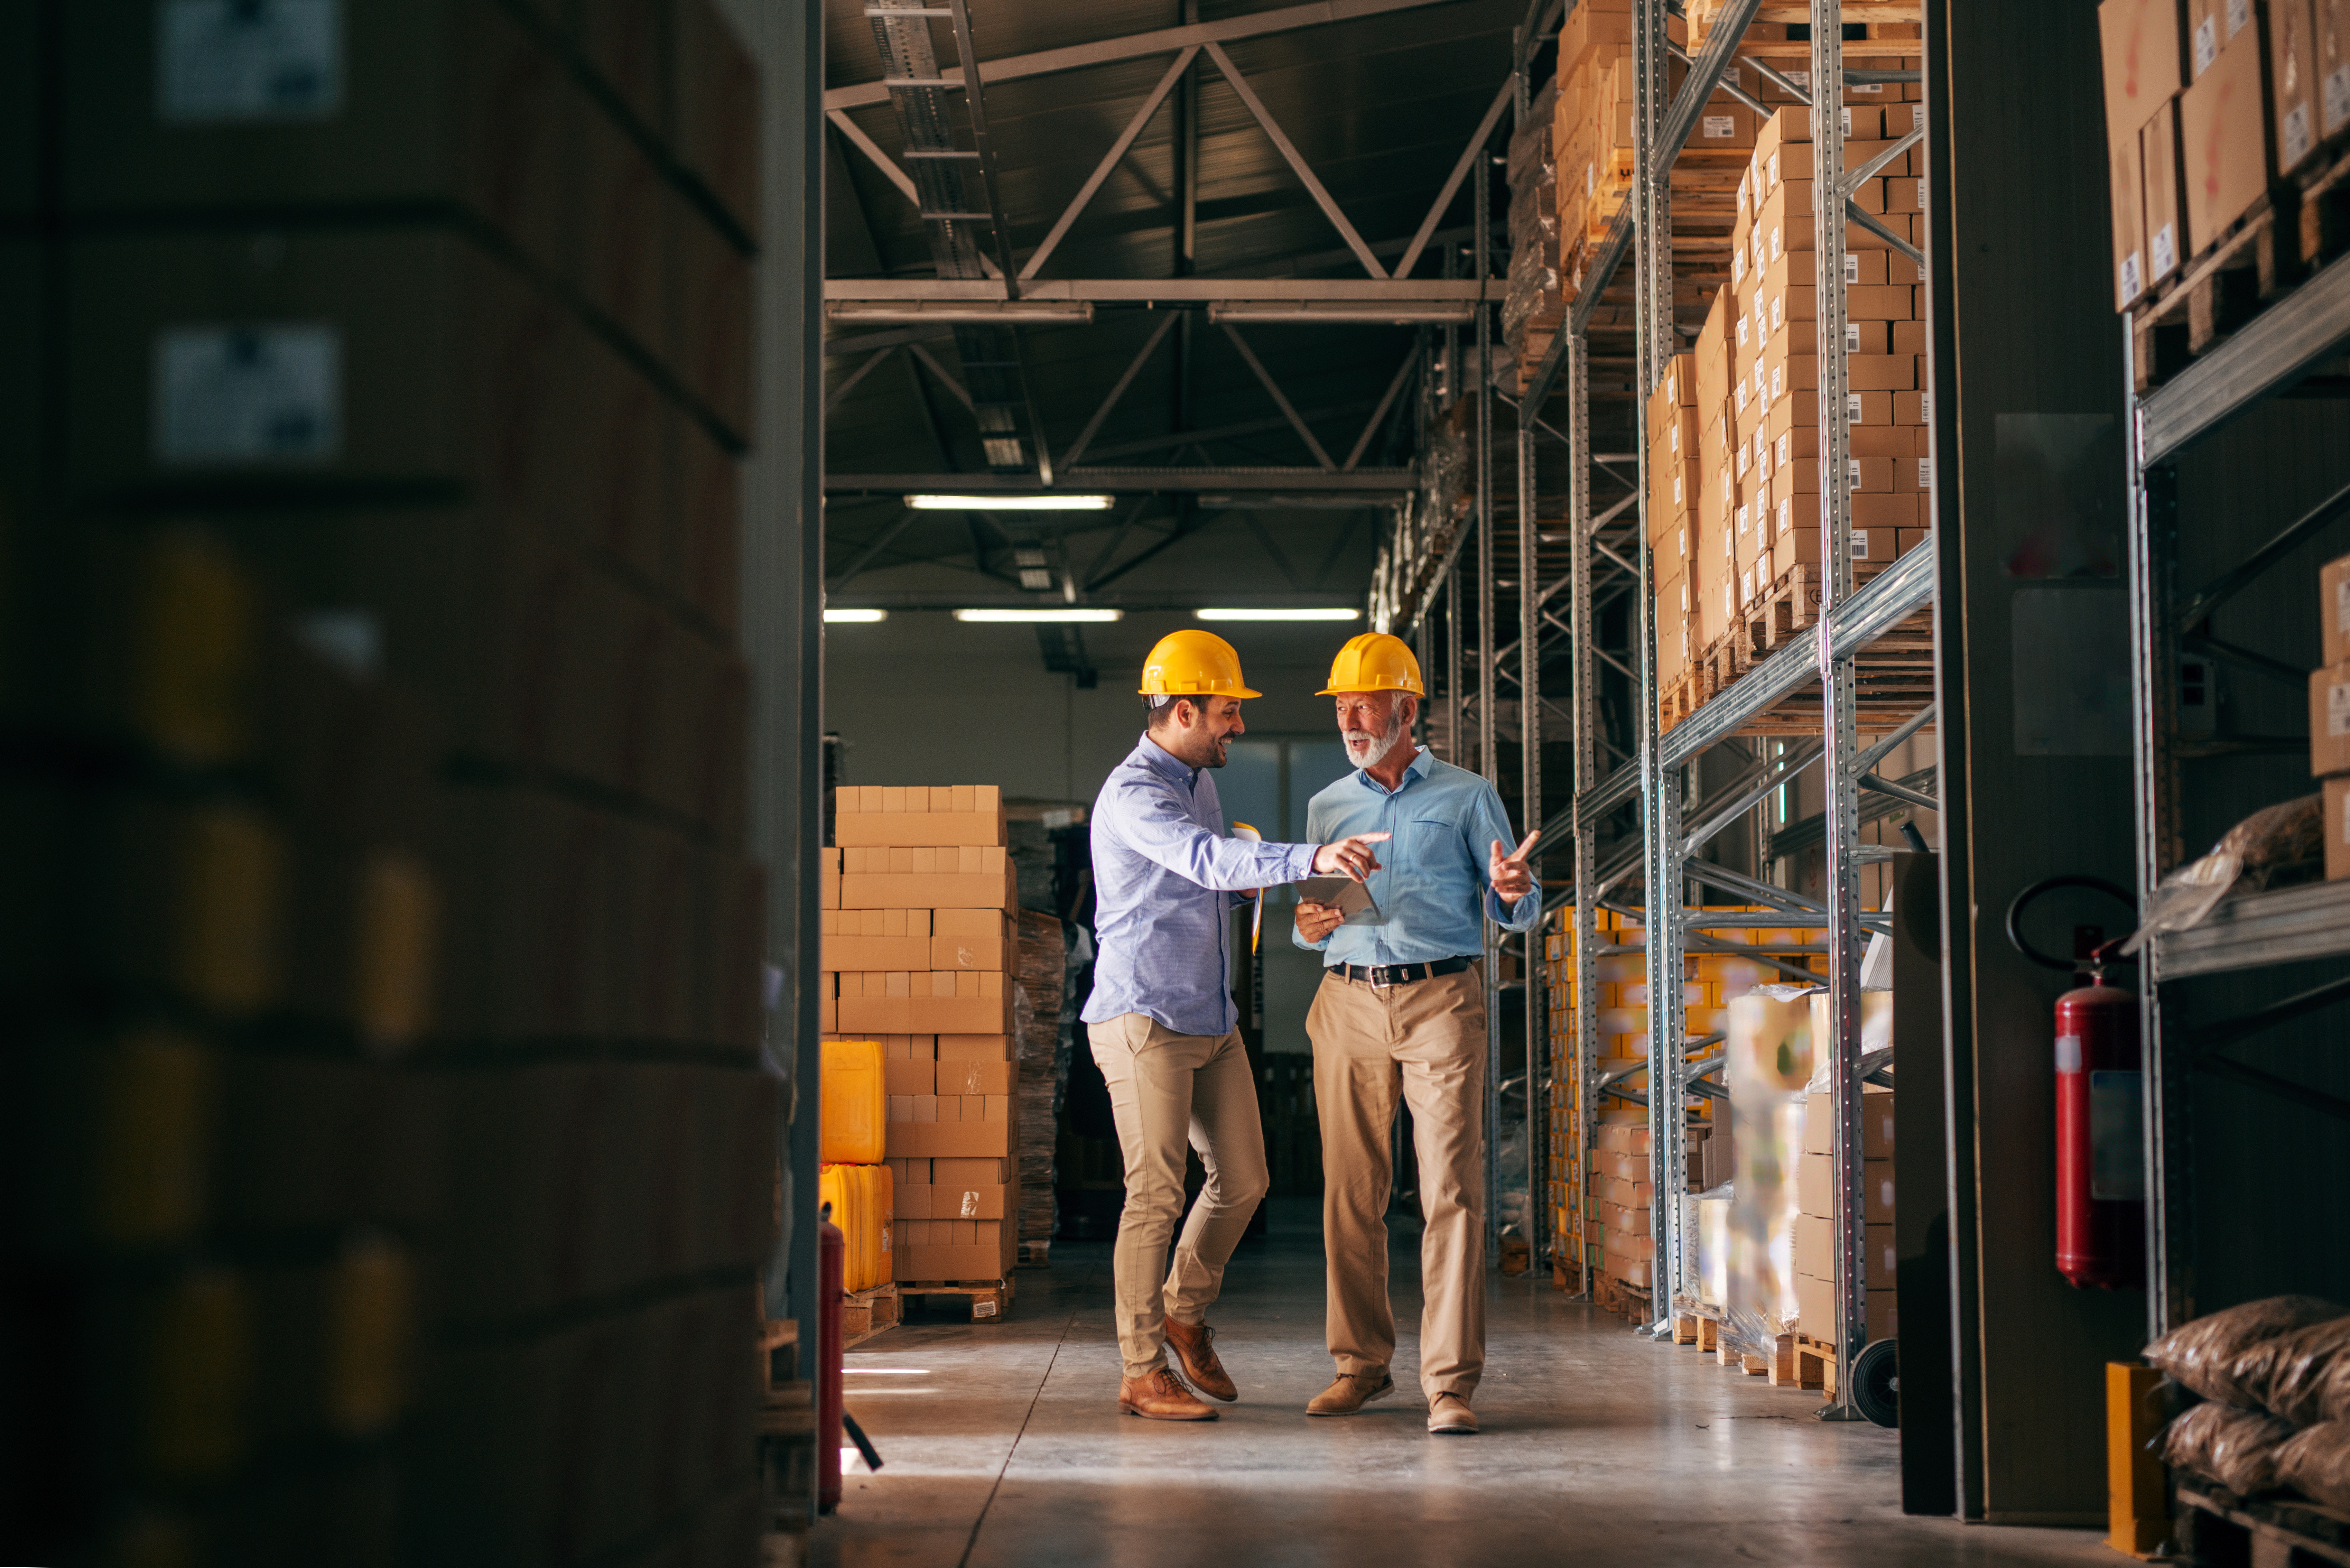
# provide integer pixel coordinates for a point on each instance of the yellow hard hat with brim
(1192, 663)
(1374, 661)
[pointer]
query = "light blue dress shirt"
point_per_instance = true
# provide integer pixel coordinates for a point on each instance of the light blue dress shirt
(1164, 880)
(1432, 884)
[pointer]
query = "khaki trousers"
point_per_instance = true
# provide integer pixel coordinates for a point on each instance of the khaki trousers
(1170, 1092)
(1426, 1042)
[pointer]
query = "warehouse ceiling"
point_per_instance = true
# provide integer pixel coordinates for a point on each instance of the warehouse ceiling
(1246, 457)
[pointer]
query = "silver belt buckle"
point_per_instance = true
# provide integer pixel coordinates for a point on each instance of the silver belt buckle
(1376, 984)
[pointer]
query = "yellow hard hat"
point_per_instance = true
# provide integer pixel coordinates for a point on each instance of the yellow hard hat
(1192, 663)
(1374, 661)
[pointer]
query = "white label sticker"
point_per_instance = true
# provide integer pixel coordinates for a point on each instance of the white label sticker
(1851, 269)
(982, 1307)
(1846, 120)
(2296, 133)
(248, 394)
(1778, 311)
(1860, 543)
(2240, 12)
(1778, 380)
(1926, 408)
(1852, 472)
(1673, 439)
(248, 59)
(1786, 518)
(1770, 169)
(1737, 268)
(1719, 126)
(1677, 490)
(2129, 279)
(1783, 438)
(2337, 97)
(1801, 79)
(1851, 337)
(1741, 521)
(2117, 1137)
(971, 1206)
(1746, 583)
(1871, 88)
(1740, 462)
(2164, 248)
(2342, 606)
(2337, 711)
(1741, 332)
(2068, 1053)
(2346, 818)
(1852, 408)
(2207, 44)
(1925, 474)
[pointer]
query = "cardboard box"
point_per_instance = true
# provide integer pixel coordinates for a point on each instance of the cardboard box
(1875, 1123)
(2333, 30)
(974, 1172)
(924, 1002)
(956, 1264)
(991, 1201)
(2336, 792)
(1815, 1309)
(1815, 1188)
(969, 1077)
(2292, 81)
(933, 1139)
(2140, 41)
(2329, 720)
(2163, 197)
(975, 1047)
(971, 939)
(1816, 1252)
(2126, 173)
(909, 1076)
(2333, 611)
(2211, 27)
(2223, 136)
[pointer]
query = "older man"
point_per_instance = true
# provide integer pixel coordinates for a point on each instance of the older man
(1161, 1018)
(1401, 1010)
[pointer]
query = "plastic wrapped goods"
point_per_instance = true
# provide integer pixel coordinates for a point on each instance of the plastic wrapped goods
(2234, 1446)
(1713, 1243)
(2271, 848)
(2214, 1356)
(2317, 1464)
(1769, 1048)
(2307, 1374)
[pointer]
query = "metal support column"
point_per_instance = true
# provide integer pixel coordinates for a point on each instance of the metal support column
(1836, 686)
(1586, 778)
(1660, 787)
(1488, 738)
(1530, 818)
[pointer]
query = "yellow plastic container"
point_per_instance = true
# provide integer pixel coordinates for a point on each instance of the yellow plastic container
(862, 1198)
(854, 1109)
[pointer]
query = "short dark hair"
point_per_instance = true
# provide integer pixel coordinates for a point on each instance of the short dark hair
(1160, 709)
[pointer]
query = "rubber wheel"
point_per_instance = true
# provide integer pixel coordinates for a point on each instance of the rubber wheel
(1877, 1382)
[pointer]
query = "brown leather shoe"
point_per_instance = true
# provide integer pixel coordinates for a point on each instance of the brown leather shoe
(1194, 1345)
(1161, 1397)
(1350, 1392)
(1449, 1416)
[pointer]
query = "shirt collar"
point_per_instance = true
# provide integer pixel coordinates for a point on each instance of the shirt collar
(1165, 762)
(1422, 759)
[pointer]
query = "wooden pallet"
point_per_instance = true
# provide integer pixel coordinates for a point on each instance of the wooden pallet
(2214, 1526)
(2257, 262)
(1815, 1364)
(864, 1313)
(1626, 1301)
(991, 1299)
(1895, 673)
(2325, 206)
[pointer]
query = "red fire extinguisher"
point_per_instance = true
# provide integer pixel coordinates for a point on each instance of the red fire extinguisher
(2100, 1118)
(832, 1250)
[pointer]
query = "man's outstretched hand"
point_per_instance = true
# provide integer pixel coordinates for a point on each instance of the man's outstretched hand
(1349, 857)
(1512, 878)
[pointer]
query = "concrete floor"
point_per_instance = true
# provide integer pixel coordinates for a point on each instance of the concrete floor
(1002, 1444)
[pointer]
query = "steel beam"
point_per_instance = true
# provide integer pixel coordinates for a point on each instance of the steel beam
(1109, 160)
(1370, 484)
(1176, 290)
(1295, 159)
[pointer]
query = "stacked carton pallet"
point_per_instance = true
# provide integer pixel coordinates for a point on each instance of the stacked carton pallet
(1533, 307)
(919, 949)
(1615, 1195)
(1815, 1250)
(2329, 715)
(427, 1109)
(2227, 137)
(1733, 431)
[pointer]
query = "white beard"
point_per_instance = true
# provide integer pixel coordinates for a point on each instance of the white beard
(1370, 751)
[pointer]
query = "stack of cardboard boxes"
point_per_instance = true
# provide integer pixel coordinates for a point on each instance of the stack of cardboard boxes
(2329, 714)
(1533, 307)
(2208, 104)
(447, 945)
(918, 898)
(1815, 1249)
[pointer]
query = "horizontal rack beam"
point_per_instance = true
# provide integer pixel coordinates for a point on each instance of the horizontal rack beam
(2273, 350)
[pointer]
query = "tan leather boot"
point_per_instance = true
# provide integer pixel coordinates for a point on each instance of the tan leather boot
(1161, 1397)
(1449, 1416)
(1194, 1346)
(1350, 1392)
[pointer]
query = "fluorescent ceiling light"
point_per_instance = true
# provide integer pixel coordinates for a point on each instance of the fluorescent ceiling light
(1342, 313)
(946, 312)
(1051, 503)
(1317, 612)
(1087, 615)
(835, 616)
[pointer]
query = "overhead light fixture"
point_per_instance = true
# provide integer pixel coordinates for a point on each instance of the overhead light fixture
(1082, 615)
(1301, 612)
(854, 617)
(1047, 502)
(1347, 313)
(949, 312)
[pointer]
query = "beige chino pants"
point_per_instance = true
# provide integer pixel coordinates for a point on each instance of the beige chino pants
(1425, 1042)
(1170, 1092)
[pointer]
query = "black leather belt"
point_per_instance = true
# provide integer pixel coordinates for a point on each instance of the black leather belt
(1386, 974)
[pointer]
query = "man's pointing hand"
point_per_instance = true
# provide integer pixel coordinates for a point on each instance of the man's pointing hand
(1512, 880)
(1349, 857)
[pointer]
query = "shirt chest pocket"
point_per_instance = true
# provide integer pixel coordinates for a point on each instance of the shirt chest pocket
(1430, 848)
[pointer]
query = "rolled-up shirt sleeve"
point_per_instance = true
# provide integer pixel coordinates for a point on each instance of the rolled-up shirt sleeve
(1153, 823)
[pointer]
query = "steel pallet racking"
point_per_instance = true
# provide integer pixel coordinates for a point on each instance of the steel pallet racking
(1609, 552)
(2265, 930)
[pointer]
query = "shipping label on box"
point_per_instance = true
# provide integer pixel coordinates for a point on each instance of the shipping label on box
(2292, 82)
(2125, 173)
(2329, 720)
(2164, 197)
